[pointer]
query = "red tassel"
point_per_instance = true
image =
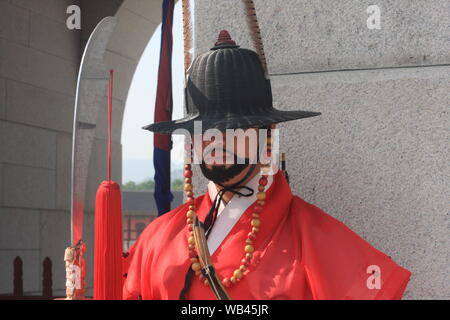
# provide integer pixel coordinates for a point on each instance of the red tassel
(108, 278)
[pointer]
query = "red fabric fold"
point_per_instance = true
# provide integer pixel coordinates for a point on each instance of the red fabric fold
(301, 252)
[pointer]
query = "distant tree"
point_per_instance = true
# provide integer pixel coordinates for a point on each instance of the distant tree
(149, 185)
(130, 185)
(177, 185)
(146, 185)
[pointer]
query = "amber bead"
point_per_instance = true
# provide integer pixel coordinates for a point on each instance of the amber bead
(249, 248)
(258, 208)
(226, 282)
(261, 196)
(237, 274)
(190, 214)
(187, 187)
(255, 222)
(196, 266)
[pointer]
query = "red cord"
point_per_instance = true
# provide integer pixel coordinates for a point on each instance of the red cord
(110, 88)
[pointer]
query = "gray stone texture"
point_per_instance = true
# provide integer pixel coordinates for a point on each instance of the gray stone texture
(376, 158)
(302, 35)
(27, 146)
(27, 221)
(63, 171)
(39, 107)
(124, 68)
(54, 37)
(1, 182)
(28, 187)
(53, 9)
(101, 131)
(98, 169)
(54, 238)
(14, 23)
(39, 60)
(132, 25)
(37, 68)
(2, 98)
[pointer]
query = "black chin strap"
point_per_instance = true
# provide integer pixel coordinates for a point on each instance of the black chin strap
(212, 216)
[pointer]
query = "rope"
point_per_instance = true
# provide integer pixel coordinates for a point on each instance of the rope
(110, 88)
(255, 32)
(187, 34)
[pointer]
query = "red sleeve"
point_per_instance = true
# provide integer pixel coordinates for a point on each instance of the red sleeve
(342, 265)
(131, 287)
(133, 265)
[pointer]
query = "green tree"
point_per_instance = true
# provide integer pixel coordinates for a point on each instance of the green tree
(147, 185)
(130, 185)
(177, 185)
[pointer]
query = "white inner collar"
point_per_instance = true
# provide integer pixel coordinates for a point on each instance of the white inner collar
(230, 213)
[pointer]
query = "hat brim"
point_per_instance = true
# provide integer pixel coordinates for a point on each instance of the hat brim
(227, 121)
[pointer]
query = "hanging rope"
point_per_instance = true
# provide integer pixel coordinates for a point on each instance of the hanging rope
(255, 32)
(110, 103)
(187, 34)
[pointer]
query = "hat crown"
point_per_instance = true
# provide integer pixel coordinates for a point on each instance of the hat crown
(227, 80)
(226, 88)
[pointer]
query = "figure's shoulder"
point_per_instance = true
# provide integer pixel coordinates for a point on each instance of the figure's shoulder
(311, 216)
(319, 226)
(339, 261)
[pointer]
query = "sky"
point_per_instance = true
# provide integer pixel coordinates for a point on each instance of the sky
(137, 144)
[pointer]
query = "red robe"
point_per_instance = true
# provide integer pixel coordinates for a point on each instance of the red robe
(300, 253)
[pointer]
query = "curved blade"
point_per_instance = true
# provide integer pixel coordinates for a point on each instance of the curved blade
(91, 89)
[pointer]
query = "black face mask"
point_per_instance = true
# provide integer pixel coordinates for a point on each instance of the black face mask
(220, 174)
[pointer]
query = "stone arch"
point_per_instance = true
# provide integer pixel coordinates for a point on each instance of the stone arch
(137, 22)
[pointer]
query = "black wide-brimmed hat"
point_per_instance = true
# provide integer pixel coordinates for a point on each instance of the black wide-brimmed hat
(226, 88)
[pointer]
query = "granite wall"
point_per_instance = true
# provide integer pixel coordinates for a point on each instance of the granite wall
(377, 158)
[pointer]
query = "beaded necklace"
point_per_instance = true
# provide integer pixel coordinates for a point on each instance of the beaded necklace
(255, 225)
